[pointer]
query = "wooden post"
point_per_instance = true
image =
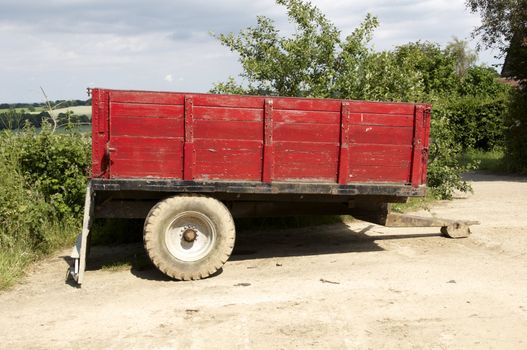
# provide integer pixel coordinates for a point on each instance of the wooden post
(189, 153)
(268, 156)
(344, 156)
(417, 158)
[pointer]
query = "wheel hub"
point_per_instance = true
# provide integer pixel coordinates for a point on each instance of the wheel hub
(190, 235)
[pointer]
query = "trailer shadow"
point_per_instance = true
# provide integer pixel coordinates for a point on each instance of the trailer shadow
(253, 244)
(318, 240)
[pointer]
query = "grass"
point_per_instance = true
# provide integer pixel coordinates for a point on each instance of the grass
(492, 161)
(131, 261)
(16, 257)
(415, 203)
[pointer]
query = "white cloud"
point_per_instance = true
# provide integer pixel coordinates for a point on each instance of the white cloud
(66, 46)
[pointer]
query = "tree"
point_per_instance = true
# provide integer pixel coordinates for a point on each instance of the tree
(463, 55)
(304, 64)
(504, 26)
(316, 61)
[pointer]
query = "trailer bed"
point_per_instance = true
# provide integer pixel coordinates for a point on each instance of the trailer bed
(203, 138)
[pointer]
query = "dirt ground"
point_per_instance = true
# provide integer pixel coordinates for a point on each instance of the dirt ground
(356, 286)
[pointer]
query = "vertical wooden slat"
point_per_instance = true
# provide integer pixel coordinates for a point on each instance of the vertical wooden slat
(268, 156)
(100, 134)
(344, 156)
(105, 125)
(96, 156)
(189, 153)
(426, 142)
(417, 151)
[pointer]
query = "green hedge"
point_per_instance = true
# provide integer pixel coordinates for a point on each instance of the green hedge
(475, 122)
(516, 132)
(42, 184)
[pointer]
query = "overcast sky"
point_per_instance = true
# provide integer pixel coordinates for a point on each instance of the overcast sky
(68, 45)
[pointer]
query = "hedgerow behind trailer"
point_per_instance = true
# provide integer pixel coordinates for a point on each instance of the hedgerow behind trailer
(189, 162)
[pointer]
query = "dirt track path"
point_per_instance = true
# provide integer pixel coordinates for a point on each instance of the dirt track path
(358, 287)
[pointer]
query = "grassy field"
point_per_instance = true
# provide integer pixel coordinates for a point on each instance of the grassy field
(492, 161)
(76, 110)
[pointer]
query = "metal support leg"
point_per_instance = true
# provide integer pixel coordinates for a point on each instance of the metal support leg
(78, 253)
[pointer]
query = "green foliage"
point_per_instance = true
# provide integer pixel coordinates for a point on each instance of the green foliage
(57, 164)
(445, 166)
(516, 135)
(501, 20)
(315, 61)
(42, 182)
(475, 122)
(482, 81)
(435, 67)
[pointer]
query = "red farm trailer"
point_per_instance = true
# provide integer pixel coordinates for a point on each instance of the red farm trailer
(190, 162)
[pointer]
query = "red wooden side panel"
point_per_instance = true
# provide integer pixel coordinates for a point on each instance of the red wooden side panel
(306, 142)
(147, 134)
(381, 136)
(228, 135)
(252, 138)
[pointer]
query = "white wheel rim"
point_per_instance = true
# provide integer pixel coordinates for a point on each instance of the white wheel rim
(196, 226)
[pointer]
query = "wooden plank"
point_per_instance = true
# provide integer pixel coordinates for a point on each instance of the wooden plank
(268, 162)
(301, 132)
(147, 127)
(228, 130)
(406, 120)
(316, 154)
(189, 154)
(417, 153)
(374, 134)
(232, 157)
(379, 174)
(167, 98)
(228, 114)
(232, 101)
(301, 116)
(228, 159)
(307, 104)
(379, 155)
(308, 173)
(382, 107)
(305, 160)
(159, 148)
(344, 151)
(130, 110)
(143, 168)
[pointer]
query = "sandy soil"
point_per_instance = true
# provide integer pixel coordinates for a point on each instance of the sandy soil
(357, 286)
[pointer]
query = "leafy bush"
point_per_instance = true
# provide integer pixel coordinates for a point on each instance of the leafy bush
(475, 122)
(42, 183)
(57, 164)
(444, 157)
(516, 132)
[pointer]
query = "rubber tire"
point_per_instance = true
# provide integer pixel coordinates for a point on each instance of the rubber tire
(162, 214)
